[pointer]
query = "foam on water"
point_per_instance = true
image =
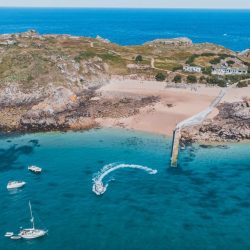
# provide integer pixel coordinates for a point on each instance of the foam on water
(98, 186)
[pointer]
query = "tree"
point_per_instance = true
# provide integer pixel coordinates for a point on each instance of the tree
(242, 84)
(230, 62)
(192, 79)
(160, 77)
(138, 59)
(215, 60)
(177, 79)
(217, 81)
(207, 70)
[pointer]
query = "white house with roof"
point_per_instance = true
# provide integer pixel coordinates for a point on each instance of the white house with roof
(223, 70)
(192, 69)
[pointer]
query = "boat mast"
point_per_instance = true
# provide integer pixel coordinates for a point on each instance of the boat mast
(32, 218)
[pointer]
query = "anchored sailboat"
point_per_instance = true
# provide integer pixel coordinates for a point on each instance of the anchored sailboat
(32, 233)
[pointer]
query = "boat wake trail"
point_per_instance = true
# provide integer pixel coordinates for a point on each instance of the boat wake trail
(98, 186)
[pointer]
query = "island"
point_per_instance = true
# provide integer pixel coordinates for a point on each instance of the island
(64, 82)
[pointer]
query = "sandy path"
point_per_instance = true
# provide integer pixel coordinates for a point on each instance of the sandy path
(174, 106)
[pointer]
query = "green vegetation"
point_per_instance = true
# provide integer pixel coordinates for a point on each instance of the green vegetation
(192, 79)
(230, 62)
(191, 59)
(236, 78)
(215, 80)
(138, 59)
(216, 60)
(242, 84)
(177, 79)
(207, 70)
(160, 77)
(30, 78)
(178, 67)
(208, 54)
(85, 55)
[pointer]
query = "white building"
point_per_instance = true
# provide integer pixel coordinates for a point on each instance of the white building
(192, 69)
(222, 70)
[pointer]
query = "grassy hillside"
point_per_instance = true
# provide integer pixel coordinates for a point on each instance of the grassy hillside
(31, 60)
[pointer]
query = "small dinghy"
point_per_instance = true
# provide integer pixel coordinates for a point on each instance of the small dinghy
(15, 237)
(35, 169)
(15, 184)
(9, 234)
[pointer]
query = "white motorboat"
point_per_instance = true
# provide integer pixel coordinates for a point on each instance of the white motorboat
(9, 234)
(32, 233)
(35, 169)
(15, 184)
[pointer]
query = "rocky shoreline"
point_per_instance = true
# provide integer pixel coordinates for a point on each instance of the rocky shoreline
(65, 110)
(232, 124)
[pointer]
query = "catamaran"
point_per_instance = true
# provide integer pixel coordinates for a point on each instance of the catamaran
(32, 233)
(15, 184)
(35, 169)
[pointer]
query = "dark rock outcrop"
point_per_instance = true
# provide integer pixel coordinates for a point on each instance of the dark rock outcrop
(231, 124)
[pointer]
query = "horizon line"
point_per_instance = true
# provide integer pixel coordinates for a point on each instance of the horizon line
(114, 7)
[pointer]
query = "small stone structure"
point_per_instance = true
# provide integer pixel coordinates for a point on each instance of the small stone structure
(192, 69)
(223, 70)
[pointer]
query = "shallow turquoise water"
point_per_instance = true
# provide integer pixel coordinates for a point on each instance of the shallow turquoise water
(204, 204)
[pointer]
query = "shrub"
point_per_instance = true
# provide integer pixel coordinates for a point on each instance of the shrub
(84, 55)
(179, 67)
(192, 58)
(217, 81)
(215, 60)
(160, 77)
(30, 78)
(202, 79)
(138, 59)
(207, 70)
(208, 54)
(191, 79)
(242, 84)
(177, 79)
(230, 62)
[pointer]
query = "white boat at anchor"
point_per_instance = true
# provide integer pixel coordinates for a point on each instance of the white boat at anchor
(35, 169)
(32, 233)
(15, 184)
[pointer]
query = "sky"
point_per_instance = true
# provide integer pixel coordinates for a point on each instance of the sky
(213, 4)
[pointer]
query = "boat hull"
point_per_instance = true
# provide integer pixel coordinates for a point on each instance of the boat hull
(29, 234)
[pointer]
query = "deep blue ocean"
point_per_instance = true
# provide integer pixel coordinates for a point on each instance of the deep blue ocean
(204, 204)
(229, 28)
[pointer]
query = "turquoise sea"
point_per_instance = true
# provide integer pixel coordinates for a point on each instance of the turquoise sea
(202, 204)
(229, 28)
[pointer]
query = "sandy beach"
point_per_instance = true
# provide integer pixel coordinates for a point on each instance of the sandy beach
(174, 105)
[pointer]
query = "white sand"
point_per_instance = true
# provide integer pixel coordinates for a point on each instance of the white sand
(160, 118)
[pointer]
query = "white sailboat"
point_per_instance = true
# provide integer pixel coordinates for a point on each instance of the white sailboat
(32, 233)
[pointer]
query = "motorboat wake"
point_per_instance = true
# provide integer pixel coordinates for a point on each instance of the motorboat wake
(99, 188)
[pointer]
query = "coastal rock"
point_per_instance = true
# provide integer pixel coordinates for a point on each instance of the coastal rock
(50, 112)
(173, 41)
(231, 124)
(104, 40)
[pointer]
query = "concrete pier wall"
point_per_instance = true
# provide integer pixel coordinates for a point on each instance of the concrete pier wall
(175, 147)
